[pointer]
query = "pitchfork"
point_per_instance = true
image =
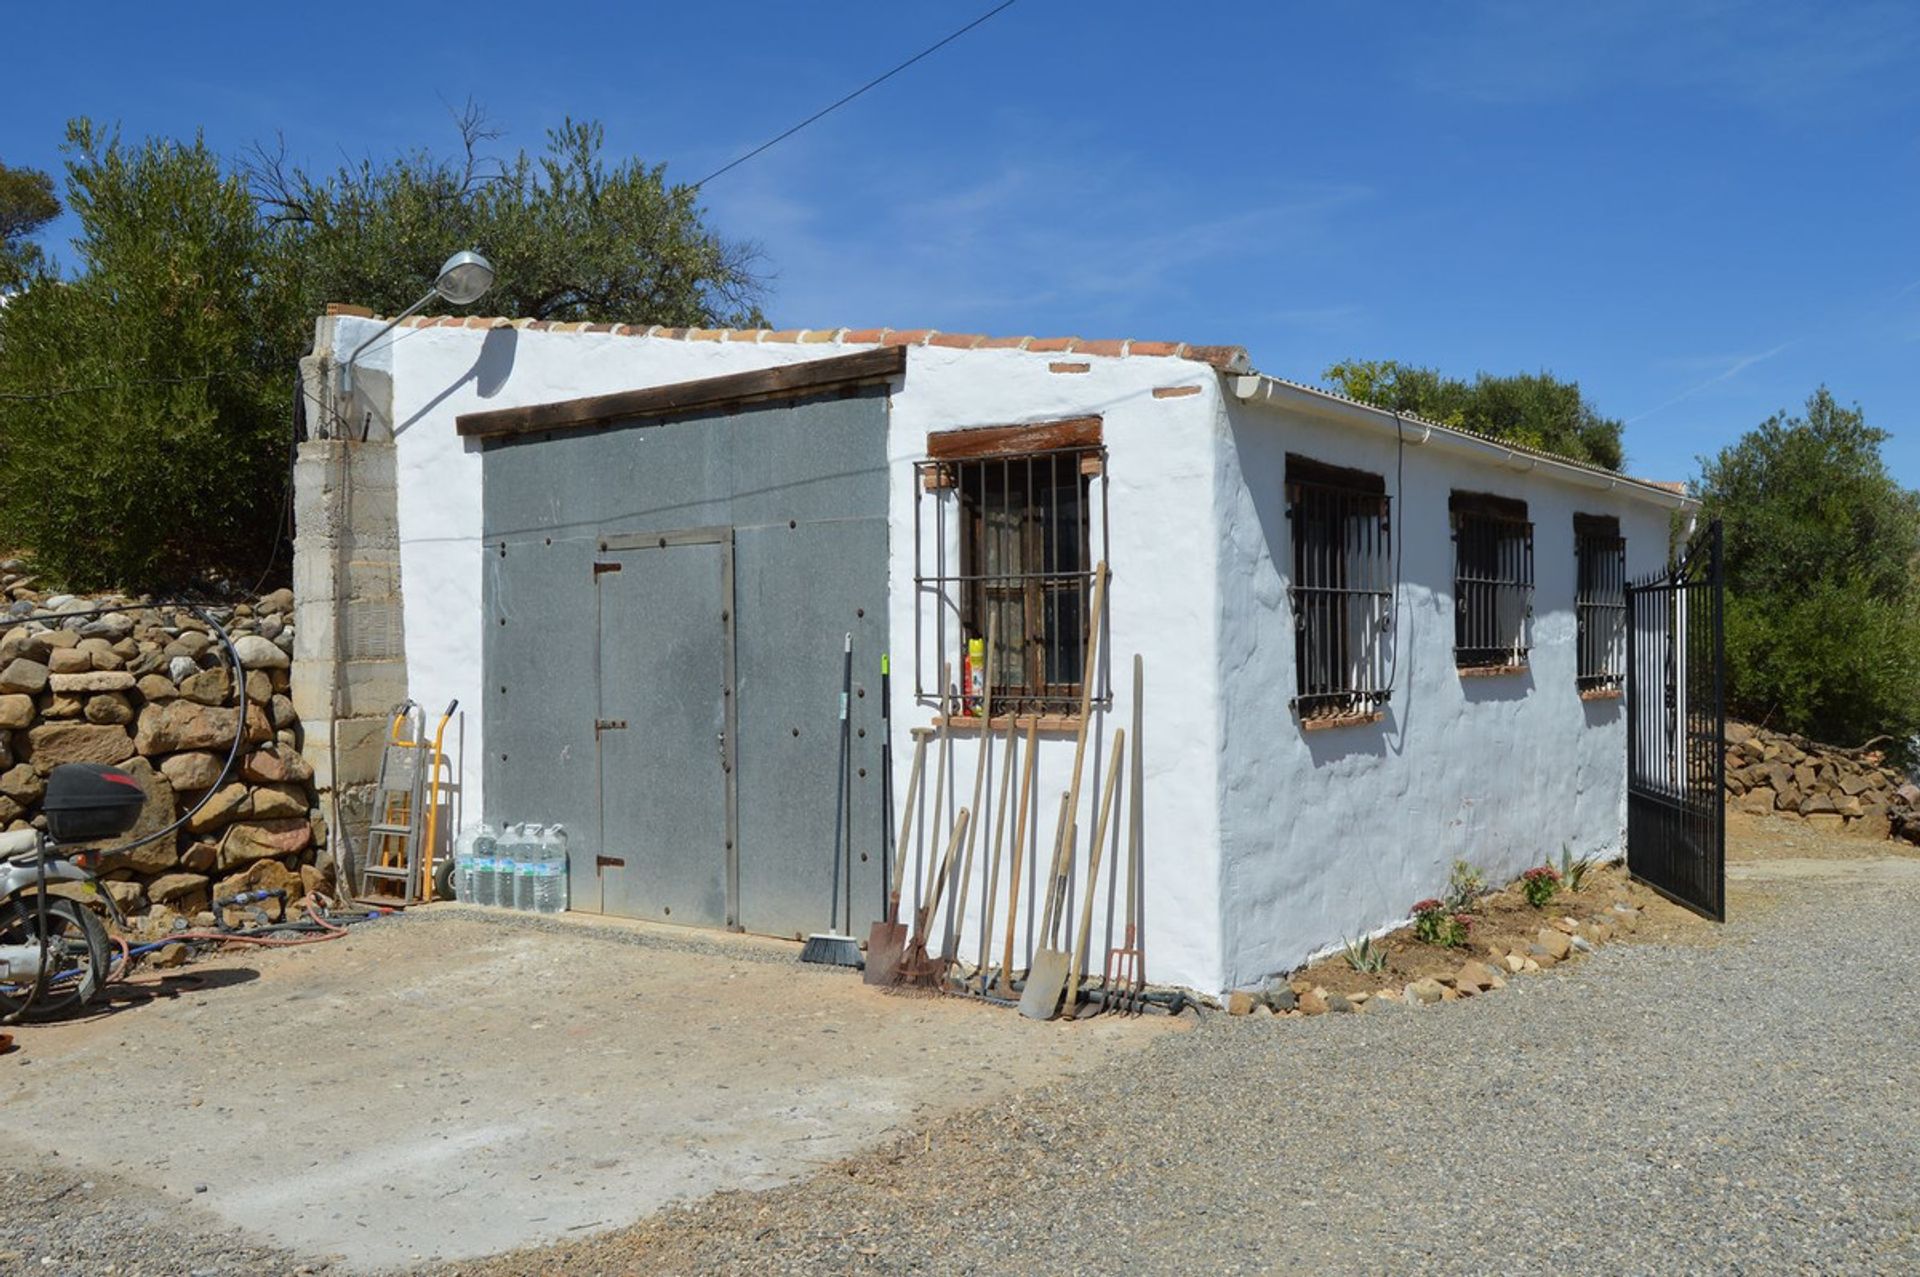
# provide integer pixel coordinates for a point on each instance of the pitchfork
(1125, 981)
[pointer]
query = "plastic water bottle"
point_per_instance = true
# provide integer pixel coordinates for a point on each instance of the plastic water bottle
(526, 867)
(486, 864)
(463, 857)
(551, 897)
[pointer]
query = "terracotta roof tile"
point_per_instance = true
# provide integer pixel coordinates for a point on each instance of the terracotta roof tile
(1224, 358)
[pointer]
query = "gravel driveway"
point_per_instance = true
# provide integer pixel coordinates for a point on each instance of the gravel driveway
(1744, 1104)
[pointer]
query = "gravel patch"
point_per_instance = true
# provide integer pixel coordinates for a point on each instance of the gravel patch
(1739, 1106)
(64, 1224)
(1745, 1106)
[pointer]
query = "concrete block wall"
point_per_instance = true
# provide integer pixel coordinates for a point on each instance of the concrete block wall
(349, 659)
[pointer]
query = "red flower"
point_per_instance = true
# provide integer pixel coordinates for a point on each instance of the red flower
(1427, 906)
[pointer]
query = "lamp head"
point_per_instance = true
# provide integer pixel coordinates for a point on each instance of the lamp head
(464, 278)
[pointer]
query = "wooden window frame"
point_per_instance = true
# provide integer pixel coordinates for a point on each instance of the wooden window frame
(1013, 475)
(1492, 580)
(1340, 591)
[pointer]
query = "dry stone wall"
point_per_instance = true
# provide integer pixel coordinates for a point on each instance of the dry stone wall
(149, 688)
(1824, 785)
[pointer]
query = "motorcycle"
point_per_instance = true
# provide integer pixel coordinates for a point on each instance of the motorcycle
(55, 953)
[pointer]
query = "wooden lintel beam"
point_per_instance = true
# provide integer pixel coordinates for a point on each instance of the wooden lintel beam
(1013, 441)
(784, 381)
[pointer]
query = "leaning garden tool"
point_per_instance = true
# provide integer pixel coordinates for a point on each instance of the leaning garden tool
(1039, 1003)
(957, 913)
(1019, 854)
(1125, 982)
(1095, 850)
(1047, 969)
(887, 941)
(936, 817)
(917, 968)
(993, 866)
(832, 946)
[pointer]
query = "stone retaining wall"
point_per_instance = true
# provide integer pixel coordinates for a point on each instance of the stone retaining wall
(1824, 785)
(149, 689)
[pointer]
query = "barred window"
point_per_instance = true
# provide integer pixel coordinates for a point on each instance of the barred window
(1492, 582)
(1600, 602)
(1020, 503)
(1342, 589)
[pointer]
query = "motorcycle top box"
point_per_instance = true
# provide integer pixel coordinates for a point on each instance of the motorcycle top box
(90, 801)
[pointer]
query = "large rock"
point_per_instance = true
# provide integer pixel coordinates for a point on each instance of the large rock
(247, 841)
(281, 600)
(194, 769)
(69, 660)
(51, 744)
(178, 725)
(1556, 943)
(89, 683)
(185, 892)
(109, 625)
(222, 808)
(275, 764)
(23, 784)
(257, 653)
(155, 814)
(16, 711)
(156, 687)
(207, 687)
(109, 707)
(23, 675)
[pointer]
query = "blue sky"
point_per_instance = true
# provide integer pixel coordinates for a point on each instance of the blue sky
(1700, 210)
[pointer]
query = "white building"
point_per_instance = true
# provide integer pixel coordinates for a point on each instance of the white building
(1372, 645)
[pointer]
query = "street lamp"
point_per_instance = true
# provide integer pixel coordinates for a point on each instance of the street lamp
(464, 278)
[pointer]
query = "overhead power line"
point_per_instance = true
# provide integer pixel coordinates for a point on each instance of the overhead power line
(870, 84)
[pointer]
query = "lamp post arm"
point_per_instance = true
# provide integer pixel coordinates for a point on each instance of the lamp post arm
(346, 369)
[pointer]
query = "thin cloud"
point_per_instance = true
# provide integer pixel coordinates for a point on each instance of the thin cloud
(1739, 365)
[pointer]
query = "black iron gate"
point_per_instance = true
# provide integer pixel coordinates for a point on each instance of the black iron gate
(1676, 730)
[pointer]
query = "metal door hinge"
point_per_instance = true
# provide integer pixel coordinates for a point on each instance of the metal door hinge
(609, 724)
(598, 568)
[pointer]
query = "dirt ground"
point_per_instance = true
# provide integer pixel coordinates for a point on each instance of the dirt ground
(453, 1083)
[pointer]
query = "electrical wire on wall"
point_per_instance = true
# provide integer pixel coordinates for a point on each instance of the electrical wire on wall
(1399, 553)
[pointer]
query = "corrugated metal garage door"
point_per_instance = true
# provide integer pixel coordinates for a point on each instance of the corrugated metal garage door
(718, 651)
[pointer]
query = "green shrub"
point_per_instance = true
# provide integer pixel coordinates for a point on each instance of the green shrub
(1539, 885)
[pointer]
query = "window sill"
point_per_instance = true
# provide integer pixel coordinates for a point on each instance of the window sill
(1046, 722)
(1329, 722)
(1491, 671)
(1602, 694)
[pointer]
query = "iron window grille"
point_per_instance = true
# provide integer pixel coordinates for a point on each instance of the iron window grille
(1492, 582)
(1342, 589)
(1600, 602)
(1028, 543)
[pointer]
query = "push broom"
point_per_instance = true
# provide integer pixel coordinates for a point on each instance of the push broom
(831, 947)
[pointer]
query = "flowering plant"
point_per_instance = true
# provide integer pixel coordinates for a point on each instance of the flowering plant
(1540, 884)
(1434, 925)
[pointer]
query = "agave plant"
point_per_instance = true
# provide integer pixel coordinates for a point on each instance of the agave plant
(1573, 871)
(1366, 956)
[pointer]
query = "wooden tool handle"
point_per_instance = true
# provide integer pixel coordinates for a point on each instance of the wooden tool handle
(906, 830)
(1019, 846)
(932, 904)
(1094, 849)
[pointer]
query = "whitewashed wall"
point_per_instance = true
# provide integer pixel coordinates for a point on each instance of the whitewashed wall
(1334, 833)
(1264, 843)
(1161, 596)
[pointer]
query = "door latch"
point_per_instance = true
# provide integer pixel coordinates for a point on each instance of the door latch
(609, 725)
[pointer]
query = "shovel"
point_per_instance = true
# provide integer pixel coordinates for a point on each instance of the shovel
(1095, 850)
(887, 941)
(1019, 850)
(1047, 973)
(1040, 999)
